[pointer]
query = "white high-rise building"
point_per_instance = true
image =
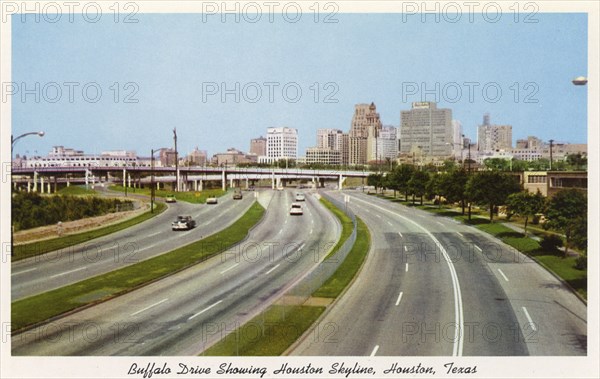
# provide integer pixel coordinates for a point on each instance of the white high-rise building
(282, 143)
(385, 145)
(493, 137)
(426, 129)
(457, 140)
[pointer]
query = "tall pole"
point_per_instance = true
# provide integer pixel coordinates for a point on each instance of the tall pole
(152, 182)
(551, 141)
(176, 161)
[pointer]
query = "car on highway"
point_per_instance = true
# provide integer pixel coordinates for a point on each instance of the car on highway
(296, 209)
(170, 198)
(300, 196)
(237, 194)
(212, 200)
(183, 223)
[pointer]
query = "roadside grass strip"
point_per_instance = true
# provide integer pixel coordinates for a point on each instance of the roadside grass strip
(268, 334)
(54, 244)
(346, 222)
(38, 308)
(194, 197)
(277, 328)
(334, 286)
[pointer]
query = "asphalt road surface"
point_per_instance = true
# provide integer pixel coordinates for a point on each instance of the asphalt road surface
(185, 313)
(434, 287)
(145, 240)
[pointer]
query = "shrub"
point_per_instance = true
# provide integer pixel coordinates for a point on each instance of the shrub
(551, 242)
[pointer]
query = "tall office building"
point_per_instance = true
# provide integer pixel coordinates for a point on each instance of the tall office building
(282, 143)
(258, 146)
(493, 137)
(385, 146)
(365, 124)
(329, 139)
(428, 129)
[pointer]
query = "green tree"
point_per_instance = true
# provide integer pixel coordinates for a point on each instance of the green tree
(418, 183)
(491, 188)
(526, 204)
(402, 176)
(453, 186)
(576, 161)
(375, 180)
(434, 187)
(497, 164)
(567, 212)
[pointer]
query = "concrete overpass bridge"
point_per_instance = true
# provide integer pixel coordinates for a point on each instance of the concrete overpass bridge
(48, 179)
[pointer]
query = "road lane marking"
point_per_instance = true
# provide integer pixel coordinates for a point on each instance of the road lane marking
(229, 268)
(281, 231)
(311, 231)
(401, 236)
(478, 248)
(390, 224)
(405, 248)
(68, 272)
(460, 234)
(375, 350)
(378, 215)
(268, 272)
(153, 234)
(529, 319)
(205, 309)
(399, 298)
(148, 307)
(440, 223)
(504, 276)
(24, 271)
(457, 348)
(406, 268)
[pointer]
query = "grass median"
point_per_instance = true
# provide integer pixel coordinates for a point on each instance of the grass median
(194, 197)
(41, 307)
(273, 331)
(54, 244)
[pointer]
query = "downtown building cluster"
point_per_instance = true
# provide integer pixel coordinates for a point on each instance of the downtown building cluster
(427, 135)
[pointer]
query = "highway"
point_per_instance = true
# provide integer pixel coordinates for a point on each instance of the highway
(145, 240)
(185, 313)
(426, 274)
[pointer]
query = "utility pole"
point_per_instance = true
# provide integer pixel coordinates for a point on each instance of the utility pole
(551, 142)
(176, 161)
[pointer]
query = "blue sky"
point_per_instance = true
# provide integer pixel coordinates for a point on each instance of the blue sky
(173, 58)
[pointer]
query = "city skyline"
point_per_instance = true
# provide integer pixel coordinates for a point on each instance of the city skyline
(360, 61)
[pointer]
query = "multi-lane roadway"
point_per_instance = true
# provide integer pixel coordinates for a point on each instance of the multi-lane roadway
(187, 312)
(432, 286)
(151, 238)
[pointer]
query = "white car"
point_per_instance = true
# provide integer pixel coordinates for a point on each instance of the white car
(212, 200)
(296, 209)
(183, 223)
(300, 196)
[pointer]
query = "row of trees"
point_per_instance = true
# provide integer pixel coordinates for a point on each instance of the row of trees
(566, 211)
(30, 210)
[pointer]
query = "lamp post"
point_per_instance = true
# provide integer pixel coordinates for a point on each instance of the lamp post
(152, 190)
(14, 140)
(551, 142)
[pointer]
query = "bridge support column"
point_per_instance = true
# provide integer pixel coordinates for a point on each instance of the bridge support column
(341, 182)
(223, 181)
(201, 185)
(35, 178)
(272, 179)
(230, 182)
(124, 178)
(128, 180)
(49, 186)
(28, 185)
(247, 185)
(42, 184)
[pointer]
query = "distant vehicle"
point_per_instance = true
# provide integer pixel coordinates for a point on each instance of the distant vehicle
(237, 194)
(296, 209)
(300, 196)
(170, 199)
(212, 200)
(183, 223)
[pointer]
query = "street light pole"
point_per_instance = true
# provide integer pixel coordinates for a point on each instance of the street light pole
(13, 140)
(551, 142)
